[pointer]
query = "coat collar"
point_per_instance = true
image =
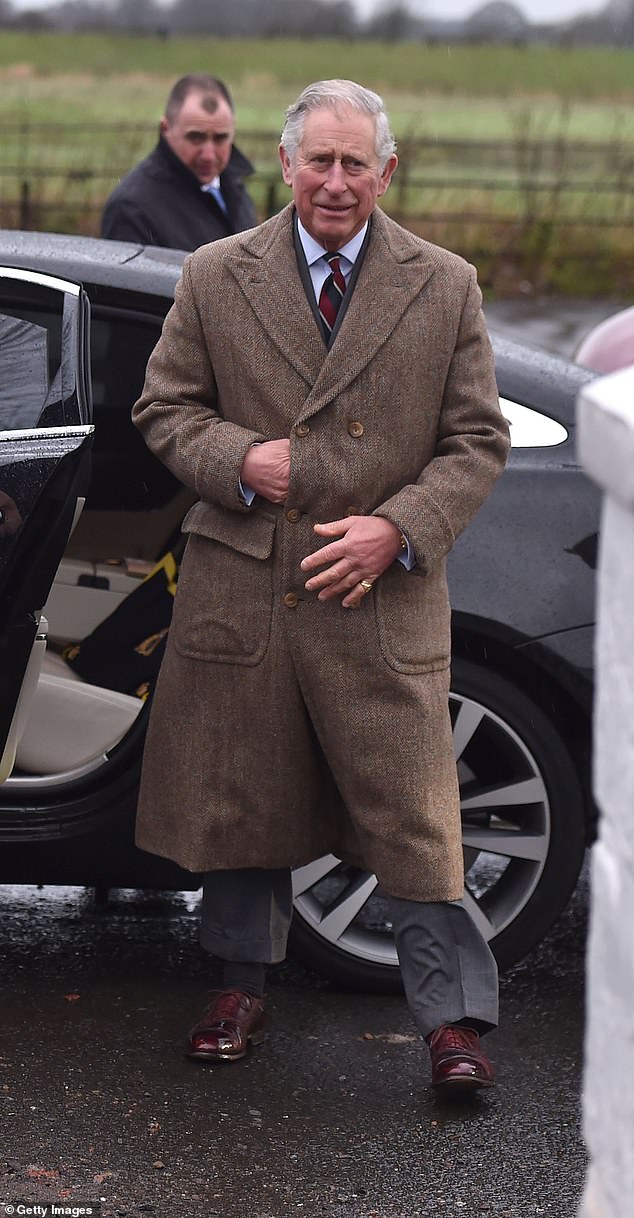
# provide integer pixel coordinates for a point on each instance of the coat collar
(238, 166)
(394, 271)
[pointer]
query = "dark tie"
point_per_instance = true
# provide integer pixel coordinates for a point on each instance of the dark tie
(331, 295)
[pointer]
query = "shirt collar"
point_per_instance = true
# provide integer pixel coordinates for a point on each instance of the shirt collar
(213, 185)
(314, 251)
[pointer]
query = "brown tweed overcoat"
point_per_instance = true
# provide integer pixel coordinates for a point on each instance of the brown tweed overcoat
(284, 728)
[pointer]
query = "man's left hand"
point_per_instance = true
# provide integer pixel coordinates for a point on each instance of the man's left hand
(365, 547)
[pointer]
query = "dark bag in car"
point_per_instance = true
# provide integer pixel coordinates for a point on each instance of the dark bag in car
(124, 652)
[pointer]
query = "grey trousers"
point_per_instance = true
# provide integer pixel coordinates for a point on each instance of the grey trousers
(449, 972)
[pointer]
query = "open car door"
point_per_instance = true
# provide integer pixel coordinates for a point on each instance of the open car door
(45, 441)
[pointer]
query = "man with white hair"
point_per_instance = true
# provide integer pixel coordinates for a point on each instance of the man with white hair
(325, 384)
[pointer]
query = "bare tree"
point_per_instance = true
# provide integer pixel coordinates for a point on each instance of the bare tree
(267, 18)
(393, 22)
(496, 22)
(144, 16)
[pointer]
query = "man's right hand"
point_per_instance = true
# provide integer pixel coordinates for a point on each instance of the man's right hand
(266, 469)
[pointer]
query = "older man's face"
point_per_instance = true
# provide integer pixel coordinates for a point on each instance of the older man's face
(335, 175)
(203, 141)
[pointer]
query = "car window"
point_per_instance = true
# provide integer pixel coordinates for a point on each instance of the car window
(37, 382)
(126, 476)
(24, 382)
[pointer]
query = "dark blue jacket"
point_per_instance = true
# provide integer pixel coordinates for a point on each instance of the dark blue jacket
(160, 202)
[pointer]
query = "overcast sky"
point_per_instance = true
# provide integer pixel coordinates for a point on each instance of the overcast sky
(534, 10)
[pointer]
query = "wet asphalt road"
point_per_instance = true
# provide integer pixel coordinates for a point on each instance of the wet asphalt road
(331, 1116)
(557, 326)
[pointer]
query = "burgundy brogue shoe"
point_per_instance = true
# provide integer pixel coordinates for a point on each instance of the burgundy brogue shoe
(231, 1022)
(457, 1061)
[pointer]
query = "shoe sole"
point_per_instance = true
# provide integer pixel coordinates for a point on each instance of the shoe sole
(461, 1086)
(255, 1038)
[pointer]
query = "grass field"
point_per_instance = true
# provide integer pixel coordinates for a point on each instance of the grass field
(476, 92)
(63, 96)
(477, 71)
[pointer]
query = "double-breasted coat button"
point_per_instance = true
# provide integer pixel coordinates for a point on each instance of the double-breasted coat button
(301, 430)
(293, 514)
(355, 429)
(290, 600)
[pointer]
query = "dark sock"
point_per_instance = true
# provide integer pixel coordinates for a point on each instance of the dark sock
(247, 977)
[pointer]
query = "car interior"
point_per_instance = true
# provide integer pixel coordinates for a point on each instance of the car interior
(131, 518)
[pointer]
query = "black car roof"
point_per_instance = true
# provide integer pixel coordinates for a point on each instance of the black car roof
(137, 268)
(535, 378)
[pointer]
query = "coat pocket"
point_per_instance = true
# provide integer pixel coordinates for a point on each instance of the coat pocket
(249, 532)
(414, 619)
(224, 602)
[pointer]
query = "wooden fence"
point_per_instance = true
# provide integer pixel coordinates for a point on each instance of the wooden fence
(552, 213)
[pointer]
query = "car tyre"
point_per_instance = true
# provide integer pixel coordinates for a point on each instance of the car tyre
(524, 837)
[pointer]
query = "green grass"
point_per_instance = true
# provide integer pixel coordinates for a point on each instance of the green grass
(286, 65)
(595, 72)
(81, 99)
(64, 96)
(436, 92)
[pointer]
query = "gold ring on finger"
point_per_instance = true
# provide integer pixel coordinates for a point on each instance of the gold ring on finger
(366, 584)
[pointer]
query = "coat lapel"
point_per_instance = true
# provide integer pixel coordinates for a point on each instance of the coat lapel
(268, 275)
(394, 271)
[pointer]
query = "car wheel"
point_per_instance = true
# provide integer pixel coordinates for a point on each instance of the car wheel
(523, 841)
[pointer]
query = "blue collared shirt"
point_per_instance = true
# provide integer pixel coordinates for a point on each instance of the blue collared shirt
(214, 188)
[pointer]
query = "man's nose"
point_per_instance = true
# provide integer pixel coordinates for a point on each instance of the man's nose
(336, 178)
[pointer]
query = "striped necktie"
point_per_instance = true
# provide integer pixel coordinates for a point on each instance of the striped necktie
(331, 295)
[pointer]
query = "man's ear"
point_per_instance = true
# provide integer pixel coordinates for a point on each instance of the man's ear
(386, 175)
(287, 172)
(163, 125)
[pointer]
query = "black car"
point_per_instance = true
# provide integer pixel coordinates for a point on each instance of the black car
(522, 584)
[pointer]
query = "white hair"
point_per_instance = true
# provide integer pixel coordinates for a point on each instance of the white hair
(338, 95)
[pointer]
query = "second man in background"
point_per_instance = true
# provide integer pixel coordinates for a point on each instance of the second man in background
(190, 189)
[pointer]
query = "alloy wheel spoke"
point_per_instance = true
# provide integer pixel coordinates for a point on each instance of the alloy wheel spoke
(507, 795)
(512, 843)
(468, 720)
(486, 928)
(345, 908)
(306, 877)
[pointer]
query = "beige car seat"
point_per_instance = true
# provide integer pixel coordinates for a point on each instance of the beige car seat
(70, 723)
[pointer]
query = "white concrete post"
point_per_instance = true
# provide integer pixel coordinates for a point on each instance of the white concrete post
(606, 451)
